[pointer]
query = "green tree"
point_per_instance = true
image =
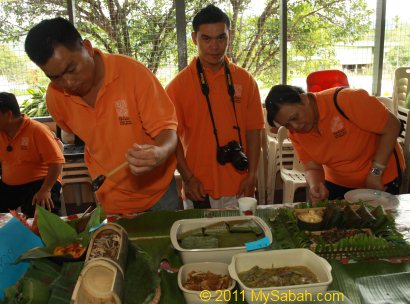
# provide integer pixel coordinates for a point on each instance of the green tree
(398, 49)
(145, 30)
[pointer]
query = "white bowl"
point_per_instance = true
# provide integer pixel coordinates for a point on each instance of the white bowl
(281, 258)
(211, 297)
(223, 255)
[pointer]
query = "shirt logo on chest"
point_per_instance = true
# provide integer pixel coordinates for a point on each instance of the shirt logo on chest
(122, 112)
(337, 127)
(24, 143)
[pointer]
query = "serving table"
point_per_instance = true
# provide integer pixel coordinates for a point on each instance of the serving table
(149, 232)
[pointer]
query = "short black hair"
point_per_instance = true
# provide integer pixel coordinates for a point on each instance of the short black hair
(280, 95)
(8, 102)
(210, 14)
(43, 37)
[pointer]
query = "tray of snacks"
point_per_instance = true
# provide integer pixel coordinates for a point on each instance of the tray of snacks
(339, 229)
(216, 239)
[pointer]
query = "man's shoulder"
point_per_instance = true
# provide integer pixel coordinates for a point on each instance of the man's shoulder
(120, 61)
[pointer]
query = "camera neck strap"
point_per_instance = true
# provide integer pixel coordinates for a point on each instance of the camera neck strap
(231, 92)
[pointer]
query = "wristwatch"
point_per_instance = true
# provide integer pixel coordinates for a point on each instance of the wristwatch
(376, 171)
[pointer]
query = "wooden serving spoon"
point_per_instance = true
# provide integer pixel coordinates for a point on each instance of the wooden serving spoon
(99, 180)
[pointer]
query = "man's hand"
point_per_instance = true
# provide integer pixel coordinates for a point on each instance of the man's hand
(194, 189)
(43, 198)
(144, 158)
(318, 193)
(247, 187)
(374, 182)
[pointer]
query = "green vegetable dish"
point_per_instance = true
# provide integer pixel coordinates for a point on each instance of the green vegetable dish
(258, 277)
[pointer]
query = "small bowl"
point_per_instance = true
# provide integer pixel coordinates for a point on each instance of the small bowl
(310, 219)
(213, 297)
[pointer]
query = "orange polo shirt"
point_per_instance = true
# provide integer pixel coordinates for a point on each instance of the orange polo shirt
(131, 107)
(195, 127)
(346, 148)
(34, 149)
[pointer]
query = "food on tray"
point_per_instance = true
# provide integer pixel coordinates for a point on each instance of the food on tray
(367, 218)
(76, 250)
(221, 235)
(310, 219)
(351, 218)
(332, 217)
(106, 244)
(199, 280)
(334, 235)
(258, 277)
(312, 216)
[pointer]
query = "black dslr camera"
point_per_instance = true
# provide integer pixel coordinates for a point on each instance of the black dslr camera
(232, 153)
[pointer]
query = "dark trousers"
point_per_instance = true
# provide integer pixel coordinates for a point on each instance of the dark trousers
(338, 192)
(12, 197)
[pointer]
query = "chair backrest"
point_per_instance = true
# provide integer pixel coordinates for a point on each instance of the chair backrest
(286, 158)
(326, 79)
(401, 86)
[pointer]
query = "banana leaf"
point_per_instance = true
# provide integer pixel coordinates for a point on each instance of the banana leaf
(345, 275)
(170, 292)
(388, 288)
(54, 231)
(141, 278)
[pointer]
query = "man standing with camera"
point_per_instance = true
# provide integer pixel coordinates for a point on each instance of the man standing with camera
(219, 119)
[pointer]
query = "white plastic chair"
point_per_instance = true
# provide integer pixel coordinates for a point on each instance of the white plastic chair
(74, 173)
(401, 86)
(294, 177)
(401, 90)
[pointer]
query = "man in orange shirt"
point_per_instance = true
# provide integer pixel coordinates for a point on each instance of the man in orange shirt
(118, 108)
(345, 139)
(219, 119)
(31, 161)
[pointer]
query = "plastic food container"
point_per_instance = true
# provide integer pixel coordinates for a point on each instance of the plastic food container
(213, 297)
(223, 255)
(281, 258)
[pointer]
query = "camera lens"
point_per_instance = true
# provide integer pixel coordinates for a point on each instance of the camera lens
(238, 158)
(240, 161)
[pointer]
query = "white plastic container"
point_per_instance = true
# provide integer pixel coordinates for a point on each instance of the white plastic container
(281, 258)
(223, 255)
(211, 297)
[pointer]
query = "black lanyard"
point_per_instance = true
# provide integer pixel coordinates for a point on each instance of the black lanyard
(231, 92)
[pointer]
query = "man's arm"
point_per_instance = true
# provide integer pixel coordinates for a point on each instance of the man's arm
(43, 196)
(144, 158)
(388, 139)
(193, 187)
(315, 177)
(253, 142)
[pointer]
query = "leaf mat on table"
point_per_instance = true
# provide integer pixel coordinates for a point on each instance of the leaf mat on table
(141, 279)
(345, 275)
(382, 289)
(170, 292)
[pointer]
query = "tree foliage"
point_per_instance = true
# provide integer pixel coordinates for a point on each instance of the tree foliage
(146, 31)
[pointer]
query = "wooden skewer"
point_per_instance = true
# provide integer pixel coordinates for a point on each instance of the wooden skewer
(115, 170)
